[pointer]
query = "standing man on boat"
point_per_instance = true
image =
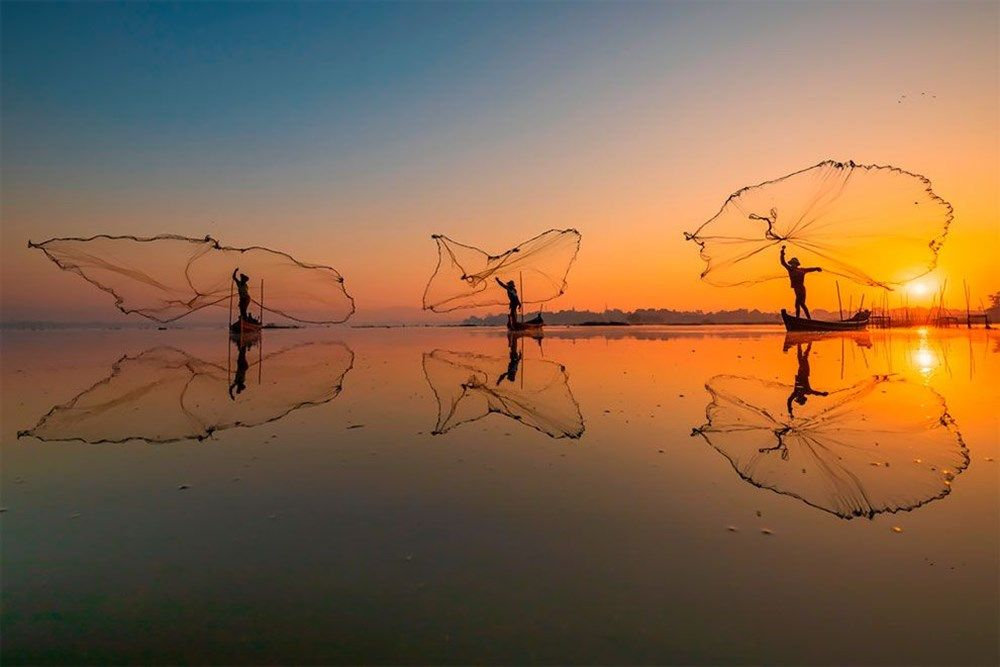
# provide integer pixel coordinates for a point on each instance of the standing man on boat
(797, 277)
(515, 302)
(243, 288)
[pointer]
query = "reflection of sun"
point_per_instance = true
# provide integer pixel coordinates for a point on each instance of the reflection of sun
(925, 360)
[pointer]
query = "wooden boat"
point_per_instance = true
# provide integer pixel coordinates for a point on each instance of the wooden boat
(244, 328)
(856, 323)
(533, 325)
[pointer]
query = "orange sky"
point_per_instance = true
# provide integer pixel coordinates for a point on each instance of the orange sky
(631, 145)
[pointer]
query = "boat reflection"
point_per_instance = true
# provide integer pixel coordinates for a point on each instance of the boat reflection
(534, 392)
(165, 394)
(793, 338)
(882, 444)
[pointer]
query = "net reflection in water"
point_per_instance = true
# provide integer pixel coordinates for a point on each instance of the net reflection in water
(165, 394)
(534, 392)
(882, 444)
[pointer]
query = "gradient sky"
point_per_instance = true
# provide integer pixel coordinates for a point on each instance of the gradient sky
(346, 134)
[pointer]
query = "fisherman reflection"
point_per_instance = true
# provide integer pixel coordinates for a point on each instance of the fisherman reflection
(513, 362)
(802, 389)
(239, 383)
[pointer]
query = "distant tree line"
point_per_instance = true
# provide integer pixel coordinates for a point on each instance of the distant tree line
(640, 316)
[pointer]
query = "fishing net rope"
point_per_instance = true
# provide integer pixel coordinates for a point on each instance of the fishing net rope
(534, 392)
(876, 225)
(880, 445)
(465, 277)
(165, 278)
(165, 394)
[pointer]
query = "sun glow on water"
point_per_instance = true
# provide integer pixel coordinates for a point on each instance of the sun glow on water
(925, 360)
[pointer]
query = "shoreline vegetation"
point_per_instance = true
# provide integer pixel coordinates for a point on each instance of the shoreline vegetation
(581, 318)
(584, 318)
(140, 326)
(617, 317)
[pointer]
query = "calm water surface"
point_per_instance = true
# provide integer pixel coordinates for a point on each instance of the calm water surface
(631, 495)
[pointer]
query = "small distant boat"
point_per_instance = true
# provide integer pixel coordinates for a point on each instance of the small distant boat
(856, 323)
(533, 325)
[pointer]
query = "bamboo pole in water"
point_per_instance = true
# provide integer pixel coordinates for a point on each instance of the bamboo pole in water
(934, 314)
(840, 306)
(229, 322)
(521, 360)
(940, 308)
(968, 312)
(260, 342)
(520, 279)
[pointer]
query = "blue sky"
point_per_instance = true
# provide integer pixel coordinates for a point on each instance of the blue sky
(275, 77)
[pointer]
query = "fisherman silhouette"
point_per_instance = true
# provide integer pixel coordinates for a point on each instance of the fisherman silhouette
(513, 362)
(243, 288)
(797, 277)
(242, 366)
(515, 302)
(802, 389)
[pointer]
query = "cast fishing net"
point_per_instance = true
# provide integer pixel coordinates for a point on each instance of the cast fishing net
(465, 276)
(876, 225)
(165, 278)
